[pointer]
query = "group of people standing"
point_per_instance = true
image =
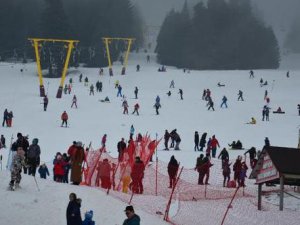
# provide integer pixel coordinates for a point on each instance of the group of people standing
(7, 118)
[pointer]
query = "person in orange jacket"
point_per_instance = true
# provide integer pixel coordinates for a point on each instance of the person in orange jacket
(64, 118)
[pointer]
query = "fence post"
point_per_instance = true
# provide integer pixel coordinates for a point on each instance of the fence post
(166, 217)
(229, 205)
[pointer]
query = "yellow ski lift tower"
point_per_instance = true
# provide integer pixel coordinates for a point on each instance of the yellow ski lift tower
(36, 45)
(108, 41)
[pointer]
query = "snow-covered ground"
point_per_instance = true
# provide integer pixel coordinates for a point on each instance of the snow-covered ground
(19, 93)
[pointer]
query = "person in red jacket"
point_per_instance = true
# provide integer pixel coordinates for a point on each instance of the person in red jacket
(64, 118)
(104, 170)
(137, 176)
(72, 149)
(214, 144)
(59, 171)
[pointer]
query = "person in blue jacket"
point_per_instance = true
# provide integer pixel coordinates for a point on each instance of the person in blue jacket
(132, 218)
(88, 218)
(43, 171)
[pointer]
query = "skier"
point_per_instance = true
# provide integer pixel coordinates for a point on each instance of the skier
(88, 218)
(103, 141)
(136, 91)
(74, 101)
(73, 210)
(45, 102)
(10, 115)
(64, 118)
(43, 171)
(17, 163)
(172, 84)
(252, 154)
(131, 132)
(80, 78)
(66, 89)
(240, 96)
(69, 89)
(214, 145)
(251, 74)
(86, 81)
(119, 91)
(210, 104)
(138, 67)
(172, 171)
(226, 172)
(224, 101)
(202, 141)
(125, 107)
(92, 89)
(136, 109)
(157, 106)
(181, 93)
(5, 114)
(204, 94)
(196, 141)
(33, 157)
(137, 176)
(166, 139)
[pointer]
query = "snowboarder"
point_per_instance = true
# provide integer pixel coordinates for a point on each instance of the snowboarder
(119, 91)
(74, 101)
(172, 84)
(73, 210)
(5, 115)
(214, 144)
(64, 118)
(138, 67)
(92, 89)
(17, 163)
(80, 78)
(166, 139)
(45, 102)
(157, 106)
(132, 218)
(224, 101)
(86, 81)
(196, 141)
(136, 109)
(181, 94)
(172, 170)
(240, 96)
(136, 91)
(125, 107)
(43, 171)
(202, 141)
(33, 157)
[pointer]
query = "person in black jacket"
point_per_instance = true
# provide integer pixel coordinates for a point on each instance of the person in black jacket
(166, 138)
(172, 170)
(73, 210)
(224, 156)
(196, 141)
(252, 154)
(202, 141)
(121, 148)
(33, 157)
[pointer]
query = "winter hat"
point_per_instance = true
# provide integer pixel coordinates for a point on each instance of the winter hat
(89, 215)
(35, 141)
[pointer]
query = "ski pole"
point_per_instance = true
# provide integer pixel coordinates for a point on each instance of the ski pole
(37, 186)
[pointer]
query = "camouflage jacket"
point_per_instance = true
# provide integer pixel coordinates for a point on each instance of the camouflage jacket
(18, 162)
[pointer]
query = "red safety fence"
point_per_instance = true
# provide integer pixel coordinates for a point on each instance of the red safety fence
(188, 202)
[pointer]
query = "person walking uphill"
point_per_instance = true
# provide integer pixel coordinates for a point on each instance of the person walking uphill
(132, 218)
(17, 163)
(172, 170)
(76, 164)
(33, 156)
(214, 144)
(196, 140)
(73, 210)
